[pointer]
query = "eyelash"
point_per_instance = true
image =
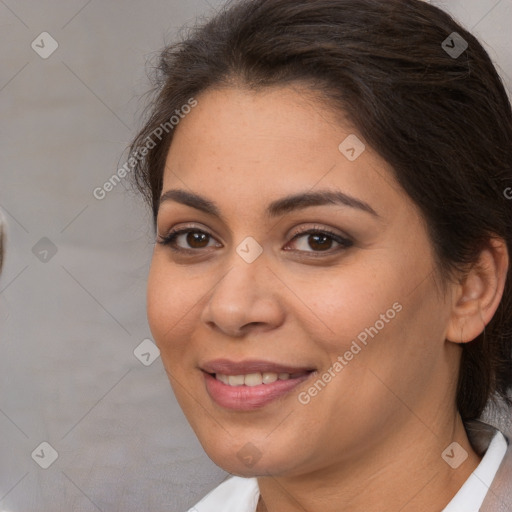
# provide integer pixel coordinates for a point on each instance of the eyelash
(170, 239)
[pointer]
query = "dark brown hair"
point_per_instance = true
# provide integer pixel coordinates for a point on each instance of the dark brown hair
(442, 121)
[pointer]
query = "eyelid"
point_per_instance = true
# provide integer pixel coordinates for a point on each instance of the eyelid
(175, 232)
(344, 241)
(319, 228)
(186, 226)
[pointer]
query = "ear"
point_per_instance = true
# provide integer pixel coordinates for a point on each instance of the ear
(478, 294)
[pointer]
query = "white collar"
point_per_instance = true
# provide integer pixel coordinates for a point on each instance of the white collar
(472, 493)
(237, 494)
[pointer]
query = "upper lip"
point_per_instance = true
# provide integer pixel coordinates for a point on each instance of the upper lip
(227, 367)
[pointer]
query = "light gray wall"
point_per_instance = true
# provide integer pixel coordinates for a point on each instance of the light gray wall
(70, 321)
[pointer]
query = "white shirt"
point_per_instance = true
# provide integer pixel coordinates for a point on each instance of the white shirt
(237, 494)
(472, 493)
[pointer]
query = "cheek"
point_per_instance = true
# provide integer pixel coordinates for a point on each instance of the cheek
(343, 304)
(381, 313)
(170, 305)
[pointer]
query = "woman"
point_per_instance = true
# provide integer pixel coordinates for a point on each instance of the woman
(330, 288)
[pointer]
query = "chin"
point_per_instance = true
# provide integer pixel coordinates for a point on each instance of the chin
(250, 461)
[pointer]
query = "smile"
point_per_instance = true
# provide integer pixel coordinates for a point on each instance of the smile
(254, 379)
(250, 385)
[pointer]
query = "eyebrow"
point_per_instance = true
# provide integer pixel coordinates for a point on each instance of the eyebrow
(276, 208)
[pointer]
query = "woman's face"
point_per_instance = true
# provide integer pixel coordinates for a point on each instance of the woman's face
(347, 318)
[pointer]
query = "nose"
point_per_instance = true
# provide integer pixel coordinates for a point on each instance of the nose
(245, 300)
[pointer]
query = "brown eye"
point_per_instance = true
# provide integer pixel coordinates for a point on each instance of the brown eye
(188, 240)
(197, 239)
(320, 242)
(317, 241)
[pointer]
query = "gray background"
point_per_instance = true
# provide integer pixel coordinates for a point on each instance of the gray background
(70, 321)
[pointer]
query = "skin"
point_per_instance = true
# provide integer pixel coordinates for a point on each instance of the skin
(372, 439)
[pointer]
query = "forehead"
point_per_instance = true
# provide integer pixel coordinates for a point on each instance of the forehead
(244, 146)
(265, 122)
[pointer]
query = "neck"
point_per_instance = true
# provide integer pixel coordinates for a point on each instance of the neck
(407, 473)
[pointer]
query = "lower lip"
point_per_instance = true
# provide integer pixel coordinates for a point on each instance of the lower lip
(248, 398)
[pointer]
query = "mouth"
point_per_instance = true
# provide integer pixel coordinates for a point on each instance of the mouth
(250, 385)
(256, 379)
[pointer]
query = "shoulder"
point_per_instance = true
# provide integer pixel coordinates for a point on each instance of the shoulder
(236, 494)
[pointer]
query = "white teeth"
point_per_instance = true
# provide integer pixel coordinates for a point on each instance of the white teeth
(236, 380)
(251, 379)
(269, 377)
(223, 378)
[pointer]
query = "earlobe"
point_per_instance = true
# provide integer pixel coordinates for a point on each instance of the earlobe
(479, 292)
